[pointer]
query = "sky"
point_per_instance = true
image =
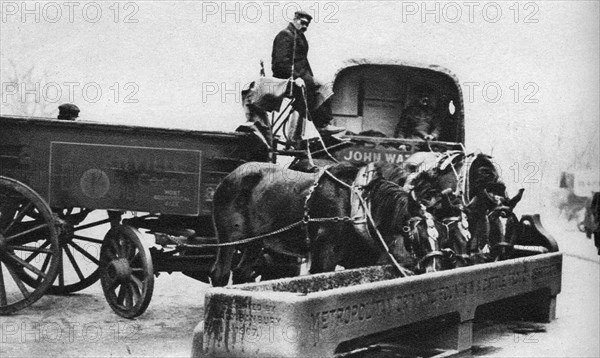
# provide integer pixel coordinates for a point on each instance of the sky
(529, 70)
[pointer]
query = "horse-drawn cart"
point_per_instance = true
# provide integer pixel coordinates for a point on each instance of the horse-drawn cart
(64, 183)
(75, 195)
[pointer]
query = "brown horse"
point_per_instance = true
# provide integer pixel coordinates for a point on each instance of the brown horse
(449, 218)
(306, 215)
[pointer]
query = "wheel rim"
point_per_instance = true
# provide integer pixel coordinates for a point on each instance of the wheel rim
(126, 272)
(29, 246)
(79, 266)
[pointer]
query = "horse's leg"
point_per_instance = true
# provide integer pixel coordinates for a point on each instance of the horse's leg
(244, 270)
(219, 274)
(228, 230)
(230, 214)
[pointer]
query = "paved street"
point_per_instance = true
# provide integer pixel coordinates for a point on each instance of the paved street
(83, 324)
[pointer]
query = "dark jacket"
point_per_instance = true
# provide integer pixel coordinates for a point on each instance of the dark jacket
(417, 122)
(283, 48)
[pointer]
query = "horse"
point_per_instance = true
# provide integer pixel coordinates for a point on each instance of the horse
(449, 219)
(477, 186)
(302, 214)
(453, 225)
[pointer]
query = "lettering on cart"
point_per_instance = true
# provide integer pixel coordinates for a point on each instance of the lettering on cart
(155, 163)
(369, 156)
(171, 198)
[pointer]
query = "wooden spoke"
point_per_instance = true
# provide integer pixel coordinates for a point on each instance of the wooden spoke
(136, 259)
(3, 301)
(61, 277)
(88, 239)
(131, 252)
(44, 267)
(34, 255)
(135, 291)
(26, 264)
(19, 216)
(113, 284)
(18, 281)
(122, 248)
(136, 281)
(128, 295)
(96, 223)
(85, 253)
(30, 229)
(36, 228)
(30, 249)
(73, 263)
(121, 295)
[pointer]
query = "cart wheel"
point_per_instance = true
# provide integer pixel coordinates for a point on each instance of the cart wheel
(126, 271)
(81, 251)
(29, 246)
(79, 267)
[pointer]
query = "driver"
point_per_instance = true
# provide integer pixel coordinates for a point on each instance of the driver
(289, 59)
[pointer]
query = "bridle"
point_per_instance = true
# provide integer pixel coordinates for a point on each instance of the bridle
(463, 226)
(432, 237)
(504, 246)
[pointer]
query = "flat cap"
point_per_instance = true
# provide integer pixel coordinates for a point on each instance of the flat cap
(302, 14)
(68, 107)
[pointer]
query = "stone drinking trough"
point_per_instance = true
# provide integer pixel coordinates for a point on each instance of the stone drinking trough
(327, 314)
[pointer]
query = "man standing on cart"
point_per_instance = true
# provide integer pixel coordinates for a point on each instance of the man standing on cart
(289, 60)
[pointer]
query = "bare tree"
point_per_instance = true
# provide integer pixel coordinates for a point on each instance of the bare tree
(19, 102)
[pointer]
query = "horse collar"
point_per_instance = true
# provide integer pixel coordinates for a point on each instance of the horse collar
(311, 190)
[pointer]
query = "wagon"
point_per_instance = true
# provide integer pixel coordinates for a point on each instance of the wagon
(62, 183)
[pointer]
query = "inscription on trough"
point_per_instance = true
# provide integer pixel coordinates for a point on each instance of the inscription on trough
(409, 302)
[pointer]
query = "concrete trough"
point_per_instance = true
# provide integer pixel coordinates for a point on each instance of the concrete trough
(312, 316)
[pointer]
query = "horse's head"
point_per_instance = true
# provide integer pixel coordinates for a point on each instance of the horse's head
(405, 225)
(424, 239)
(504, 225)
(424, 189)
(454, 231)
(482, 174)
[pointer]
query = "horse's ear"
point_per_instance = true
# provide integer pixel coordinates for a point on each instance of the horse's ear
(515, 200)
(246, 91)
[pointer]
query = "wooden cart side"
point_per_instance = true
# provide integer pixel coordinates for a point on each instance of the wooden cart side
(58, 158)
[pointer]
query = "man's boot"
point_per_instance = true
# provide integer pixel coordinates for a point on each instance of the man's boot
(322, 118)
(329, 130)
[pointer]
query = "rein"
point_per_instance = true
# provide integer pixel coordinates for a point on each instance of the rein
(463, 227)
(432, 236)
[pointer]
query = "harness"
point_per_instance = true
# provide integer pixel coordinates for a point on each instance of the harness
(358, 205)
(432, 236)
(360, 217)
(463, 226)
(462, 177)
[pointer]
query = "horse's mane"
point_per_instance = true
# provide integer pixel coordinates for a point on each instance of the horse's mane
(389, 205)
(392, 172)
(345, 171)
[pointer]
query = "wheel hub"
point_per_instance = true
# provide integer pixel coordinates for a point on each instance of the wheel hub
(120, 270)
